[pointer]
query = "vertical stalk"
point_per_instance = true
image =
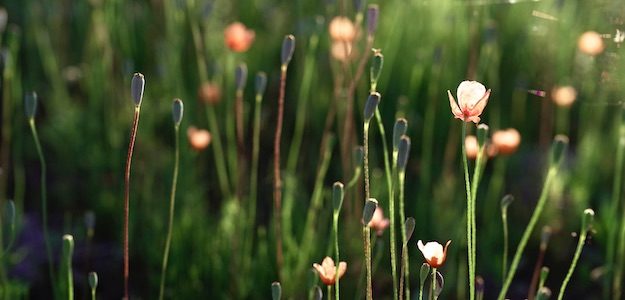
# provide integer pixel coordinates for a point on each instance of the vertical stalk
(277, 182)
(469, 214)
(336, 251)
(261, 82)
(402, 216)
(131, 146)
(504, 220)
(613, 228)
(588, 213)
(433, 292)
(366, 231)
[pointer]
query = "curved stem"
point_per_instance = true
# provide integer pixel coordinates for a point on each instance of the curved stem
(578, 252)
(131, 146)
(172, 202)
(469, 214)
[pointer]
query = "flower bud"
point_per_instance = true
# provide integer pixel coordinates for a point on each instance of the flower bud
(482, 135)
(558, 148)
(369, 210)
(371, 105)
(177, 111)
(317, 293)
(338, 194)
(398, 131)
(423, 273)
(373, 12)
(543, 294)
(409, 225)
(136, 88)
(30, 105)
(240, 76)
(288, 47)
(589, 216)
(506, 200)
(440, 283)
(377, 62)
(402, 153)
(68, 246)
(93, 280)
(261, 83)
(276, 291)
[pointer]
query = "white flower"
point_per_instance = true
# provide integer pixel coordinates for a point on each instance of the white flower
(434, 253)
(472, 98)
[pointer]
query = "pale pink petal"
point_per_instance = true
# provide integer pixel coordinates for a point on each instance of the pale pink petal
(479, 106)
(469, 93)
(420, 245)
(474, 119)
(319, 269)
(455, 110)
(327, 263)
(342, 268)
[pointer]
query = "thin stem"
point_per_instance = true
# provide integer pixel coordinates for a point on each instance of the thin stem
(433, 293)
(230, 128)
(612, 229)
(389, 183)
(240, 137)
(402, 217)
(578, 252)
(620, 263)
(93, 294)
(172, 202)
(254, 175)
(366, 231)
(553, 170)
(504, 220)
(469, 214)
(355, 178)
(131, 146)
(421, 291)
(44, 199)
(218, 152)
(329, 293)
(336, 251)
(477, 172)
(277, 182)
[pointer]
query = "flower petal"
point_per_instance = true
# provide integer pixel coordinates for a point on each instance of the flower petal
(477, 109)
(469, 93)
(319, 269)
(342, 268)
(455, 110)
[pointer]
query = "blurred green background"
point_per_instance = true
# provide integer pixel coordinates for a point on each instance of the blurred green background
(79, 56)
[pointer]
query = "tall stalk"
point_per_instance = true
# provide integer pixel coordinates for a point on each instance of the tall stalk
(469, 213)
(178, 110)
(586, 223)
(337, 200)
(613, 229)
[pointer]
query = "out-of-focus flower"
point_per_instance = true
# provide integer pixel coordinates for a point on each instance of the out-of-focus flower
(564, 95)
(472, 98)
(378, 222)
(434, 253)
(327, 270)
(199, 139)
(506, 141)
(342, 29)
(341, 50)
(591, 43)
(471, 146)
(209, 93)
(238, 38)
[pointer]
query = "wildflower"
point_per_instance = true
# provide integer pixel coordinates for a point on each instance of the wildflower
(199, 139)
(238, 38)
(378, 222)
(341, 51)
(471, 146)
(506, 141)
(472, 98)
(564, 95)
(209, 93)
(591, 43)
(434, 253)
(342, 30)
(327, 270)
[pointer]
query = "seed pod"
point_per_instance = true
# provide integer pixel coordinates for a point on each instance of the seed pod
(377, 62)
(136, 88)
(398, 131)
(558, 148)
(409, 225)
(261, 83)
(177, 111)
(589, 216)
(338, 194)
(369, 209)
(30, 105)
(482, 134)
(288, 47)
(373, 12)
(371, 105)
(506, 200)
(402, 153)
(423, 274)
(240, 76)
(93, 280)
(276, 291)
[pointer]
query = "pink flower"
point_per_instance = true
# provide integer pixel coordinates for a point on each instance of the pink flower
(434, 253)
(327, 270)
(238, 38)
(199, 139)
(378, 222)
(472, 98)
(506, 141)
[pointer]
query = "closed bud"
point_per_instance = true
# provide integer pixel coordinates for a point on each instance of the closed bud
(377, 62)
(371, 105)
(409, 225)
(338, 194)
(423, 274)
(589, 216)
(506, 200)
(136, 88)
(482, 135)
(398, 131)
(358, 155)
(93, 280)
(558, 148)
(373, 12)
(240, 76)
(68, 246)
(543, 294)
(30, 105)
(288, 47)
(276, 291)
(261, 83)
(402, 153)
(177, 111)
(369, 210)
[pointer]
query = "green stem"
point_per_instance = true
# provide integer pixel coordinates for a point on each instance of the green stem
(469, 214)
(231, 143)
(421, 291)
(433, 293)
(254, 177)
(620, 263)
(172, 201)
(329, 293)
(218, 152)
(44, 199)
(366, 231)
(578, 252)
(131, 146)
(504, 220)
(355, 178)
(389, 183)
(402, 217)
(612, 229)
(553, 170)
(477, 172)
(336, 251)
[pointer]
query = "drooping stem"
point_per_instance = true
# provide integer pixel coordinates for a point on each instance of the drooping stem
(578, 252)
(469, 214)
(44, 199)
(131, 146)
(172, 202)
(277, 182)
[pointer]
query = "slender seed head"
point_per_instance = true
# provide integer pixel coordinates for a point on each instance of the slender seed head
(482, 135)
(369, 210)
(30, 105)
(371, 105)
(373, 12)
(288, 47)
(402, 153)
(338, 194)
(240, 76)
(589, 216)
(506, 200)
(136, 88)
(377, 62)
(261, 83)
(398, 131)
(558, 148)
(409, 225)
(177, 111)
(93, 280)
(276, 291)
